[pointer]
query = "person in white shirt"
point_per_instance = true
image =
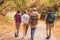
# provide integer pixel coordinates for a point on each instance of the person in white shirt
(25, 20)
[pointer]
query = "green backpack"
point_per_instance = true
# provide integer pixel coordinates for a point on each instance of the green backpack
(51, 17)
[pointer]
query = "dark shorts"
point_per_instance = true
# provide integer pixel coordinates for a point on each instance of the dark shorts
(17, 26)
(50, 22)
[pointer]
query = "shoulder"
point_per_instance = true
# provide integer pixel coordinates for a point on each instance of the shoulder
(23, 15)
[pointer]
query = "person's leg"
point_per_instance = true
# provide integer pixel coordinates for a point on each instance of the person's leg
(50, 26)
(32, 33)
(47, 29)
(50, 31)
(26, 29)
(17, 30)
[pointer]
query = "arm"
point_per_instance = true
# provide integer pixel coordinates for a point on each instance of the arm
(22, 18)
(15, 17)
(46, 16)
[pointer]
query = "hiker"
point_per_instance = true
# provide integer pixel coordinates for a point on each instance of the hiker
(33, 22)
(17, 19)
(25, 20)
(50, 20)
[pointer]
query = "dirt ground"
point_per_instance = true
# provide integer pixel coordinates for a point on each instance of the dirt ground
(7, 28)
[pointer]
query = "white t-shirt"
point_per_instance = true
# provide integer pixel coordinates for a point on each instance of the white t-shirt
(25, 18)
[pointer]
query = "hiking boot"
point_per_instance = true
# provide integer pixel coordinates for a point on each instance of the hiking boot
(31, 38)
(48, 37)
(16, 34)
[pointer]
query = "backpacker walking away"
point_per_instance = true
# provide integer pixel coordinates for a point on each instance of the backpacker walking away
(50, 20)
(17, 19)
(33, 22)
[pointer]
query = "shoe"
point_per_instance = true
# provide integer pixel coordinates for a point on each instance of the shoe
(31, 38)
(48, 37)
(23, 37)
(16, 34)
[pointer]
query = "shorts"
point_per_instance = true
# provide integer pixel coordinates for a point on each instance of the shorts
(50, 24)
(17, 26)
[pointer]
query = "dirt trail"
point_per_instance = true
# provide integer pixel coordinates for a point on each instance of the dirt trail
(7, 29)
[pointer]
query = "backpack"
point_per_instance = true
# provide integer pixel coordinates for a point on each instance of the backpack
(51, 17)
(18, 17)
(33, 19)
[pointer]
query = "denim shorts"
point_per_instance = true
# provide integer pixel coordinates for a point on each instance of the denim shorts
(32, 32)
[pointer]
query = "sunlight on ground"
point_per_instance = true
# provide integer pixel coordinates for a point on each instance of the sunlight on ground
(7, 26)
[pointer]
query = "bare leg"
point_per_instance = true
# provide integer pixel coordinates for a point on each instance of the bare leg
(50, 30)
(17, 30)
(47, 29)
(26, 29)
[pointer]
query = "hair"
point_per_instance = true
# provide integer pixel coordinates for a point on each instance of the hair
(25, 11)
(49, 10)
(18, 11)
